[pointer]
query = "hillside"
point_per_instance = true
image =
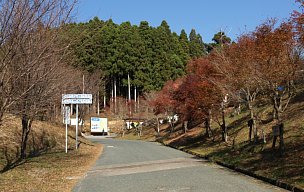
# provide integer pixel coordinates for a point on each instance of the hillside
(48, 167)
(238, 152)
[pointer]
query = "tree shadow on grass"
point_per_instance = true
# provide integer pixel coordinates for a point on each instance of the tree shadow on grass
(256, 158)
(11, 163)
(298, 98)
(80, 141)
(37, 145)
(238, 123)
(12, 166)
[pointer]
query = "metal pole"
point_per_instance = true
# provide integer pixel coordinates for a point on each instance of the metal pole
(66, 137)
(82, 84)
(76, 126)
(66, 130)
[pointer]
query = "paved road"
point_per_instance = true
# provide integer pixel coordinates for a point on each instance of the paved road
(135, 166)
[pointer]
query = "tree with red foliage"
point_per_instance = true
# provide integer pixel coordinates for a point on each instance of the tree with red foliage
(278, 58)
(198, 95)
(297, 19)
(164, 101)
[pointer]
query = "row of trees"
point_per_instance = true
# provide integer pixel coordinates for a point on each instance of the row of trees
(261, 65)
(148, 56)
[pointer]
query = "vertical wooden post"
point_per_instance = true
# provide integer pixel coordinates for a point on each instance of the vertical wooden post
(98, 104)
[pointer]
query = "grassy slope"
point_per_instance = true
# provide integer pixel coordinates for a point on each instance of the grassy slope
(260, 159)
(49, 168)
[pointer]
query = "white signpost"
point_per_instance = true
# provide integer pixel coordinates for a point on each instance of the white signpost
(74, 99)
(66, 121)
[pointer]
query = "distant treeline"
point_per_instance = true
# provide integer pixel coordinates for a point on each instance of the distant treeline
(149, 55)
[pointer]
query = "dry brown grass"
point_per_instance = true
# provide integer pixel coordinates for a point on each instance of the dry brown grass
(48, 168)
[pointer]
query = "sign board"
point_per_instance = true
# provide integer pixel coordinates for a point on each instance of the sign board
(77, 99)
(67, 114)
(74, 122)
(99, 125)
(74, 99)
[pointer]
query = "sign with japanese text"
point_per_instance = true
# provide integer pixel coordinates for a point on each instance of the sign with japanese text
(77, 99)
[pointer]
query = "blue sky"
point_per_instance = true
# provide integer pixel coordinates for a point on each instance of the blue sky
(207, 17)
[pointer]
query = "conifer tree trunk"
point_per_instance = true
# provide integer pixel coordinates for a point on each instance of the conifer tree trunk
(115, 96)
(135, 99)
(98, 103)
(112, 96)
(129, 89)
(104, 96)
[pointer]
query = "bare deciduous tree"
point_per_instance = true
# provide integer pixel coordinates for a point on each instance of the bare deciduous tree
(32, 57)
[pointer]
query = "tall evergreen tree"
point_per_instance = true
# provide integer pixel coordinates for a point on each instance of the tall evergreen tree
(184, 42)
(144, 74)
(196, 45)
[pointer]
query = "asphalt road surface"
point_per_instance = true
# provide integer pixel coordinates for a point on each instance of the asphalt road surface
(136, 166)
